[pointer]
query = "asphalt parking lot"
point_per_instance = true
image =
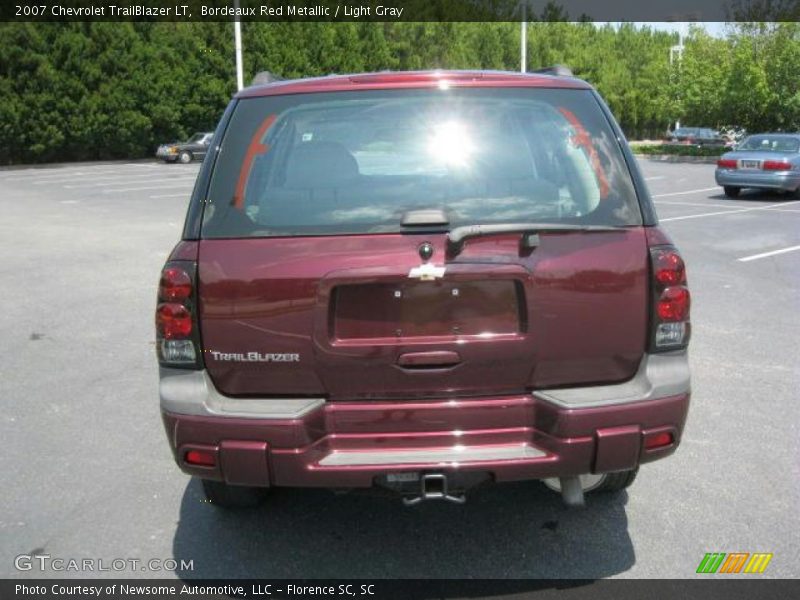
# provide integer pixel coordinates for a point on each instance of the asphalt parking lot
(88, 474)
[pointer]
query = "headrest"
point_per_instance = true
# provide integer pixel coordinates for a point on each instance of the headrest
(320, 164)
(503, 157)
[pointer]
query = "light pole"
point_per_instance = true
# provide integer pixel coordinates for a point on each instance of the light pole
(523, 36)
(677, 51)
(237, 42)
(523, 50)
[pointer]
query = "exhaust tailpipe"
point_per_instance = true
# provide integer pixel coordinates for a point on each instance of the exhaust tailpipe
(572, 492)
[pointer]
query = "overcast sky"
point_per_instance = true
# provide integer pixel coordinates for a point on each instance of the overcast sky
(714, 28)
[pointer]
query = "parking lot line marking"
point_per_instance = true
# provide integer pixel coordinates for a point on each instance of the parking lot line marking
(27, 174)
(148, 187)
(709, 204)
(739, 204)
(766, 254)
(655, 177)
(128, 181)
(16, 175)
(57, 178)
(79, 170)
(684, 193)
(183, 195)
(729, 212)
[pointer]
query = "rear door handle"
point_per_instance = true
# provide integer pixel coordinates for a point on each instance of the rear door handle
(440, 358)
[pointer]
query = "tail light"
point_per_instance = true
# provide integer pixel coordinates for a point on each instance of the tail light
(177, 336)
(776, 165)
(671, 328)
(173, 321)
(726, 163)
(175, 284)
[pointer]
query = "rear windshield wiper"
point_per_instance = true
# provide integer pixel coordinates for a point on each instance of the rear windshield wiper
(457, 236)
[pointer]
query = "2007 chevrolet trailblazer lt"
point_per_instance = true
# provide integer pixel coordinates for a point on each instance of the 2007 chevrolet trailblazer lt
(421, 281)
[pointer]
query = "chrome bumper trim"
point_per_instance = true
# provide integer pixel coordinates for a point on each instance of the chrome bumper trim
(439, 456)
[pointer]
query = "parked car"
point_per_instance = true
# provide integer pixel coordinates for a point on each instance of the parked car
(195, 147)
(696, 136)
(423, 281)
(767, 161)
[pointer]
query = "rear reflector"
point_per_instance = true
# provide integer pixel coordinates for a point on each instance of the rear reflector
(173, 321)
(726, 163)
(776, 165)
(200, 458)
(658, 440)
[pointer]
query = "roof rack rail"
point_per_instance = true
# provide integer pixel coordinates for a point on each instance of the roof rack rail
(557, 70)
(264, 77)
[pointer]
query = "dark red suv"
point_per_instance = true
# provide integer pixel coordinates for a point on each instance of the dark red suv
(421, 281)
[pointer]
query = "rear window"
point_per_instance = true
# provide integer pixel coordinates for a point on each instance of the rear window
(770, 143)
(355, 162)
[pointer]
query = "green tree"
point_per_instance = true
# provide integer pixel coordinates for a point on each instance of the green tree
(78, 91)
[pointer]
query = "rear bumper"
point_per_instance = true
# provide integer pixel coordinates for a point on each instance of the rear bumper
(312, 443)
(779, 180)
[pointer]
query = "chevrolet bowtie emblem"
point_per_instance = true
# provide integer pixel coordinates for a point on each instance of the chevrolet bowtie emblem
(427, 272)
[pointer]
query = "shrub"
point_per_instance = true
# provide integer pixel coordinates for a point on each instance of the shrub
(678, 150)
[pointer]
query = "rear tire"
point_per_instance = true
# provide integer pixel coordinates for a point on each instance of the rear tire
(616, 482)
(732, 191)
(233, 496)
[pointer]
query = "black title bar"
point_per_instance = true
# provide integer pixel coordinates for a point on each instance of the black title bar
(400, 10)
(710, 588)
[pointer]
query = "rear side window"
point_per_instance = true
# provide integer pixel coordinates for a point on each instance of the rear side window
(767, 143)
(355, 162)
